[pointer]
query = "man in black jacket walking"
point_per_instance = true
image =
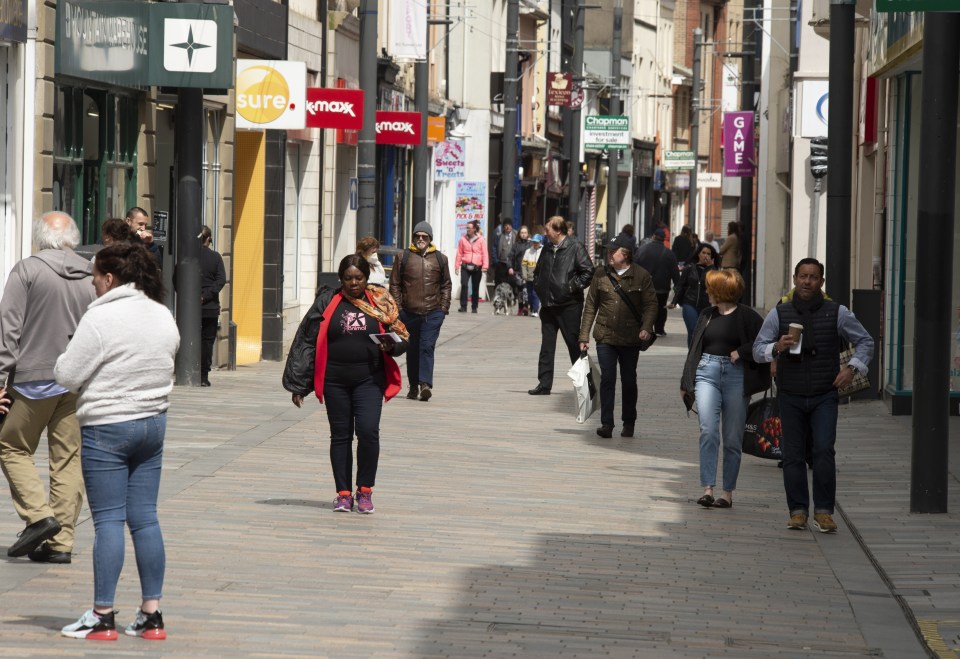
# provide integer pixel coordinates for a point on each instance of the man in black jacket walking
(661, 263)
(563, 271)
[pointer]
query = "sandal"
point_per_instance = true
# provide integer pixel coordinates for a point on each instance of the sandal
(722, 503)
(706, 501)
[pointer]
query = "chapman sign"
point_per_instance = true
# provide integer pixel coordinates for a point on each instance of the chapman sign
(399, 128)
(334, 108)
(606, 132)
(738, 148)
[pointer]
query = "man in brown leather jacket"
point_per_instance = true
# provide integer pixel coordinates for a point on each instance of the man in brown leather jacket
(420, 283)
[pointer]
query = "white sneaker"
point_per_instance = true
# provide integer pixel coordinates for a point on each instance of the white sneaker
(535, 314)
(93, 626)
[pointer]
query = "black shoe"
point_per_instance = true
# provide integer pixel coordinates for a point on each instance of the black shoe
(661, 333)
(204, 383)
(33, 536)
(605, 431)
(474, 310)
(43, 554)
(413, 393)
(627, 430)
(425, 392)
(462, 310)
(539, 390)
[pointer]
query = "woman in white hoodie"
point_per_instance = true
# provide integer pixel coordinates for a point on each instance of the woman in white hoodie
(367, 248)
(121, 361)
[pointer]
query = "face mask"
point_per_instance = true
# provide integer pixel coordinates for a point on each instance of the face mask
(373, 258)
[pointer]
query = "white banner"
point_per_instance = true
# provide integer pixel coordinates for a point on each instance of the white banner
(271, 94)
(814, 108)
(449, 160)
(408, 29)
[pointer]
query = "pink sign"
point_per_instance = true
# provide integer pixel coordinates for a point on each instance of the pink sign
(738, 149)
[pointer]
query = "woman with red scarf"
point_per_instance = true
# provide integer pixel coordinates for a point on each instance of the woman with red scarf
(340, 354)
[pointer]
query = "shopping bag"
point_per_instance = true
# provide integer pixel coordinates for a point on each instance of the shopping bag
(762, 435)
(583, 374)
(860, 381)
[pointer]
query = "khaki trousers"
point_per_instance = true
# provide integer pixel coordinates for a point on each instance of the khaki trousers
(19, 439)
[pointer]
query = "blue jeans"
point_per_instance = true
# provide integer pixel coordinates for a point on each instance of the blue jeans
(354, 408)
(533, 297)
(800, 417)
(690, 316)
(121, 471)
(424, 331)
(609, 356)
(722, 409)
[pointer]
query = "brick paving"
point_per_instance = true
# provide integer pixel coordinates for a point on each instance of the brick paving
(504, 528)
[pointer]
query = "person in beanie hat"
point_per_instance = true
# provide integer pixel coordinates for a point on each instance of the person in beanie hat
(420, 283)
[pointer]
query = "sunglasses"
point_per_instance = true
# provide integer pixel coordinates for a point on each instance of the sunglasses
(421, 236)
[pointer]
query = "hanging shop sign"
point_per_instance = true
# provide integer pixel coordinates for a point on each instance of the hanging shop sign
(673, 160)
(709, 180)
(738, 150)
(606, 132)
(271, 94)
(137, 44)
(449, 160)
(559, 89)
(916, 5)
(408, 29)
(436, 130)
(13, 20)
(334, 108)
(399, 128)
(470, 204)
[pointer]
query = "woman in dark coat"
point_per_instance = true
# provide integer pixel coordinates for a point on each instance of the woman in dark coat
(213, 278)
(340, 354)
(691, 290)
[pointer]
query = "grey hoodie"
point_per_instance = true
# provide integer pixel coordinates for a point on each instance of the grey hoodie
(45, 296)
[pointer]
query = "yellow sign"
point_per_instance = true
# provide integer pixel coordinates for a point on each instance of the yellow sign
(271, 94)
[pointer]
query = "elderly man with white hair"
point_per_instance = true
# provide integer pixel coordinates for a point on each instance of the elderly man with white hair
(45, 296)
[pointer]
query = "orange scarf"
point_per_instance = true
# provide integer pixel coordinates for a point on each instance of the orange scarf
(384, 309)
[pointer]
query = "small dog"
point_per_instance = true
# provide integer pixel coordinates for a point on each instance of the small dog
(503, 300)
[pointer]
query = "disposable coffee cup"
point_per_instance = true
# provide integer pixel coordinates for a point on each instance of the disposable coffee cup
(795, 330)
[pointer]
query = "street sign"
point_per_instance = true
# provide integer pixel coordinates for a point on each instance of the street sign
(559, 88)
(606, 132)
(334, 108)
(679, 160)
(709, 180)
(917, 5)
(354, 187)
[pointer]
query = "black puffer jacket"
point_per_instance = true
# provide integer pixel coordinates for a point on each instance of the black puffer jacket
(302, 359)
(562, 273)
(692, 288)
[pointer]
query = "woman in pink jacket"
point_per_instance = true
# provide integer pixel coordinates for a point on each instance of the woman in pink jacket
(471, 263)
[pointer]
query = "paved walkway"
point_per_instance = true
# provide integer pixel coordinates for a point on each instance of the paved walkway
(504, 528)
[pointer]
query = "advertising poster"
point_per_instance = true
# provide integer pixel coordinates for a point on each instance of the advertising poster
(449, 160)
(471, 204)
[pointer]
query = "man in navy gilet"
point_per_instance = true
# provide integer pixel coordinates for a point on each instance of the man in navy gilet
(808, 377)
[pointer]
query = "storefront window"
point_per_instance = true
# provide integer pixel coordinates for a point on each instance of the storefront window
(95, 153)
(213, 127)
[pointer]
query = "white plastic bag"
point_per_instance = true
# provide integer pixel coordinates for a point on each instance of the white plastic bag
(583, 374)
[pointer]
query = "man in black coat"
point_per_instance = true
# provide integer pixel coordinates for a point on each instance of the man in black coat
(563, 271)
(661, 263)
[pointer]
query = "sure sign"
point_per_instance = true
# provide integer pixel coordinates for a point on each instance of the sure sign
(738, 151)
(399, 128)
(334, 108)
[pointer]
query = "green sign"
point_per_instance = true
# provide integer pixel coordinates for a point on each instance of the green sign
(606, 132)
(679, 160)
(137, 44)
(918, 5)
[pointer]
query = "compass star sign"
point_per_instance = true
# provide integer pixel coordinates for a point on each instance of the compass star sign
(189, 45)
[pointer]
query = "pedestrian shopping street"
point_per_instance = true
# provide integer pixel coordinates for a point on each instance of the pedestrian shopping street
(504, 528)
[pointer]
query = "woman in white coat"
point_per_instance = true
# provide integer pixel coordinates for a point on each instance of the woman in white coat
(121, 361)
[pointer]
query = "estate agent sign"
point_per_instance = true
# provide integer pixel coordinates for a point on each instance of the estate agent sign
(606, 132)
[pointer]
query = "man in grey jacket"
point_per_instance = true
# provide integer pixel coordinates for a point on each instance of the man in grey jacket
(45, 296)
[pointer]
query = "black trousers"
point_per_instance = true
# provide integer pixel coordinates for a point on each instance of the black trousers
(659, 325)
(208, 336)
(354, 409)
(566, 320)
(465, 279)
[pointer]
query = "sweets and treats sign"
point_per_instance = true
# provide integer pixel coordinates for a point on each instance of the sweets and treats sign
(449, 160)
